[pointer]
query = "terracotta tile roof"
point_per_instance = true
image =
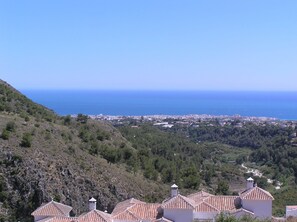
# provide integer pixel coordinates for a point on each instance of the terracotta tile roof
(126, 215)
(222, 203)
(256, 193)
(179, 202)
(145, 211)
(122, 206)
(94, 216)
(205, 207)
(52, 209)
(199, 196)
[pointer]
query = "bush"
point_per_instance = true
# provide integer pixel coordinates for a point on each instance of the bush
(5, 134)
(26, 140)
(10, 126)
(82, 118)
(67, 120)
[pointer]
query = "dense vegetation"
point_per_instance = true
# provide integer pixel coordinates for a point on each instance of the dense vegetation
(12, 101)
(213, 153)
(175, 159)
(271, 145)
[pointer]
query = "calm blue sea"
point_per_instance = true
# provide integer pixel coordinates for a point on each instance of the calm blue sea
(282, 105)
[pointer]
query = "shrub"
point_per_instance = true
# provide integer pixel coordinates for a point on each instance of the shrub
(5, 134)
(26, 140)
(82, 118)
(10, 126)
(67, 120)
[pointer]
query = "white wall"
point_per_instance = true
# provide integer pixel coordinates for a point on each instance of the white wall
(204, 215)
(261, 208)
(292, 213)
(179, 215)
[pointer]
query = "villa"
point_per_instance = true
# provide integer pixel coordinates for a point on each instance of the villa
(253, 201)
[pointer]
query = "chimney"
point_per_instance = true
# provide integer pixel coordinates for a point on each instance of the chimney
(174, 190)
(92, 204)
(249, 183)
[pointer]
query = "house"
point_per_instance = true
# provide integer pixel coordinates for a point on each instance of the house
(253, 201)
(291, 211)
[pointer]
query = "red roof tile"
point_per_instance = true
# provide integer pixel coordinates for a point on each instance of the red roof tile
(222, 203)
(256, 193)
(145, 211)
(126, 215)
(205, 207)
(179, 202)
(52, 209)
(94, 216)
(199, 196)
(122, 206)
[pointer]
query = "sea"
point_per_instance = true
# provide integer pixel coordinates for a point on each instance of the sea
(280, 105)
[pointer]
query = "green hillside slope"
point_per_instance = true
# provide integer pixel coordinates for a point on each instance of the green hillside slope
(44, 156)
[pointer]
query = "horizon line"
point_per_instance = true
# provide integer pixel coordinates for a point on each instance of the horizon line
(154, 90)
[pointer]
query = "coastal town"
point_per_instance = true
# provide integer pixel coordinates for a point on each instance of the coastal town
(168, 121)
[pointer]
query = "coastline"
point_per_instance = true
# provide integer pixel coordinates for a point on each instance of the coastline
(275, 105)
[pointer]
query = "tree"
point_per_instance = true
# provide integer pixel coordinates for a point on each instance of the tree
(190, 177)
(67, 120)
(82, 118)
(222, 188)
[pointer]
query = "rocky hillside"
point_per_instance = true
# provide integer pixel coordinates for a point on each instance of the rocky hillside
(44, 156)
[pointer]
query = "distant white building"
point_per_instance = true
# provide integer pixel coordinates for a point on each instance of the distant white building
(291, 211)
(253, 201)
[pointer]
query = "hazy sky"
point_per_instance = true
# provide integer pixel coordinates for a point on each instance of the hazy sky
(153, 44)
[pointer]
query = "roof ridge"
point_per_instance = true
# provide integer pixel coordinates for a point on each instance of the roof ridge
(245, 193)
(185, 199)
(224, 196)
(46, 205)
(208, 204)
(55, 204)
(101, 215)
(129, 207)
(188, 200)
(133, 214)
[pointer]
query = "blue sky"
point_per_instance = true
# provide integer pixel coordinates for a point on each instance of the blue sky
(154, 44)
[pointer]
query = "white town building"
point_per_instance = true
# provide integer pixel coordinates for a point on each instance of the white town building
(253, 201)
(291, 211)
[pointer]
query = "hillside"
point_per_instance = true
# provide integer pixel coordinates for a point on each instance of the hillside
(45, 156)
